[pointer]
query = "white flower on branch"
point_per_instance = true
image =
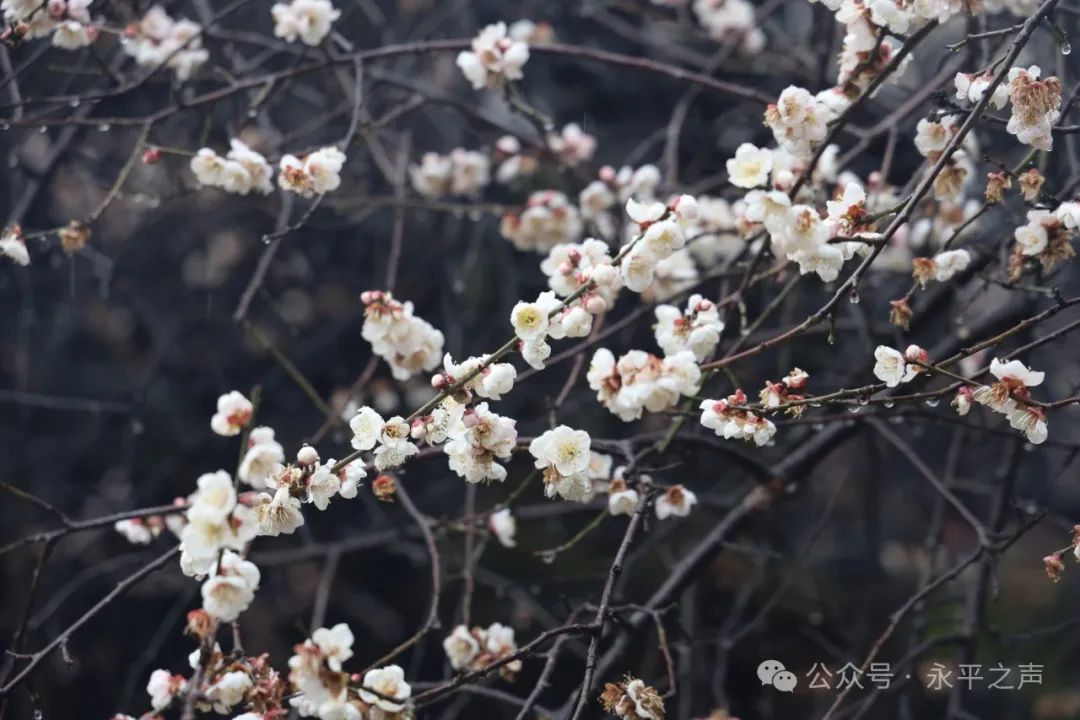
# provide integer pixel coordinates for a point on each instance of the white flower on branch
(163, 687)
(314, 174)
(503, 526)
(230, 590)
(676, 502)
(264, 453)
(494, 58)
(308, 20)
(12, 245)
(233, 414)
(389, 683)
(750, 167)
(408, 343)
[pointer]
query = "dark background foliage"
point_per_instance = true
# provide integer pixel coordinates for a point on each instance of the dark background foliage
(111, 361)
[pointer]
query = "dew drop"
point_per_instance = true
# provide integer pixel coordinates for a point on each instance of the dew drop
(43, 129)
(5, 125)
(547, 557)
(1066, 48)
(815, 404)
(853, 409)
(853, 298)
(253, 113)
(38, 715)
(103, 127)
(932, 402)
(864, 400)
(74, 102)
(889, 403)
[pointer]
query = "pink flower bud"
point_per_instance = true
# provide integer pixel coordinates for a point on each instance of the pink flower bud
(596, 305)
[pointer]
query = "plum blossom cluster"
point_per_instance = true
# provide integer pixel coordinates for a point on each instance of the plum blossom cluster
(142, 531)
(390, 439)
(632, 699)
(799, 120)
(408, 343)
(1046, 237)
(462, 172)
(696, 329)
(68, 21)
(241, 171)
(1011, 397)
(316, 173)
(216, 520)
(309, 21)
(1036, 106)
(940, 267)
(477, 648)
(731, 419)
(310, 481)
(788, 393)
(548, 316)
(584, 268)
(323, 689)
(731, 21)
(549, 218)
(661, 235)
(477, 440)
(495, 58)
(640, 381)
(159, 40)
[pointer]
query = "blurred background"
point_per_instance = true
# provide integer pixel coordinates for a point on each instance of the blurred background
(111, 361)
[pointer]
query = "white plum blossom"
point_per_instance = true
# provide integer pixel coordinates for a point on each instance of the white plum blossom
(230, 590)
(335, 644)
(972, 87)
(317, 173)
(135, 530)
(503, 525)
(229, 690)
(750, 167)
(13, 246)
(278, 514)
(1033, 237)
(931, 137)
(163, 688)
(389, 683)
(308, 20)
(233, 414)
(892, 367)
(1016, 372)
(535, 352)
(677, 501)
(531, 320)
(950, 262)
(494, 58)
(264, 453)
(366, 426)
(461, 647)
(562, 448)
(621, 499)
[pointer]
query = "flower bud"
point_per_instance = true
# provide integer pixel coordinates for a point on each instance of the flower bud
(596, 305)
(307, 455)
(384, 487)
(151, 156)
